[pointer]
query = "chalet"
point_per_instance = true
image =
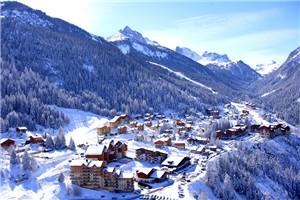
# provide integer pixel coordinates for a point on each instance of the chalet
(176, 162)
(133, 124)
(179, 144)
(212, 112)
(37, 139)
(6, 143)
(103, 130)
(117, 120)
(111, 151)
(198, 140)
(148, 123)
(244, 113)
(231, 132)
(198, 150)
(150, 175)
(22, 129)
(254, 128)
(96, 152)
(273, 130)
(94, 174)
(149, 155)
(122, 129)
(188, 127)
(251, 105)
(164, 141)
(212, 147)
(179, 122)
(140, 126)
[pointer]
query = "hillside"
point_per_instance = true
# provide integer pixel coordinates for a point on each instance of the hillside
(93, 74)
(279, 91)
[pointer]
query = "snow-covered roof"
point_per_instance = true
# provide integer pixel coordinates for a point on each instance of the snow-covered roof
(5, 139)
(126, 175)
(173, 161)
(95, 150)
(96, 163)
(77, 163)
(157, 174)
(145, 171)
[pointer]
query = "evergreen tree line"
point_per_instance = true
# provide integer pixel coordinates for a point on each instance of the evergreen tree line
(252, 167)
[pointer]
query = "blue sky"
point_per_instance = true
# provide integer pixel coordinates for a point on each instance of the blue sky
(253, 31)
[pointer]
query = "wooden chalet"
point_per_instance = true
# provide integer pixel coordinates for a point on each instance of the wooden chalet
(103, 130)
(122, 129)
(251, 105)
(148, 123)
(273, 130)
(113, 150)
(149, 155)
(117, 120)
(36, 139)
(150, 175)
(179, 122)
(21, 129)
(176, 162)
(198, 140)
(179, 144)
(213, 113)
(140, 126)
(164, 141)
(7, 143)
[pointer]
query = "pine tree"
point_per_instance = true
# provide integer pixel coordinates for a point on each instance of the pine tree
(26, 161)
(61, 178)
(14, 158)
(72, 145)
(49, 142)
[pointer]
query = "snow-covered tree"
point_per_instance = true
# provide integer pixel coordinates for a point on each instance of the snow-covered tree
(61, 178)
(14, 158)
(72, 145)
(60, 140)
(49, 142)
(28, 163)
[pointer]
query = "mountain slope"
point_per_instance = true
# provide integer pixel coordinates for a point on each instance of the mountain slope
(92, 73)
(280, 91)
(133, 44)
(232, 72)
(265, 69)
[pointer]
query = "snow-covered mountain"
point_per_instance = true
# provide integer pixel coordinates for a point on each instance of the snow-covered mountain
(206, 58)
(128, 34)
(280, 89)
(134, 44)
(221, 65)
(266, 68)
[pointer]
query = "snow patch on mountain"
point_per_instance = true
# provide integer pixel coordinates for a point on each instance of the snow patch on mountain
(26, 18)
(281, 76)
(268, 93)
(206, 58)
(89, 68)
(267, 68)
(125, 49)
(145, 50)
(184, 77)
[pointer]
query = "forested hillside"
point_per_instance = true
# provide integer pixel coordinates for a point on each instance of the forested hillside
(83, 71)
(280, 91)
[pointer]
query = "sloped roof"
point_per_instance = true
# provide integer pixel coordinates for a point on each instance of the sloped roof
(95, 150)
(173, 161)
